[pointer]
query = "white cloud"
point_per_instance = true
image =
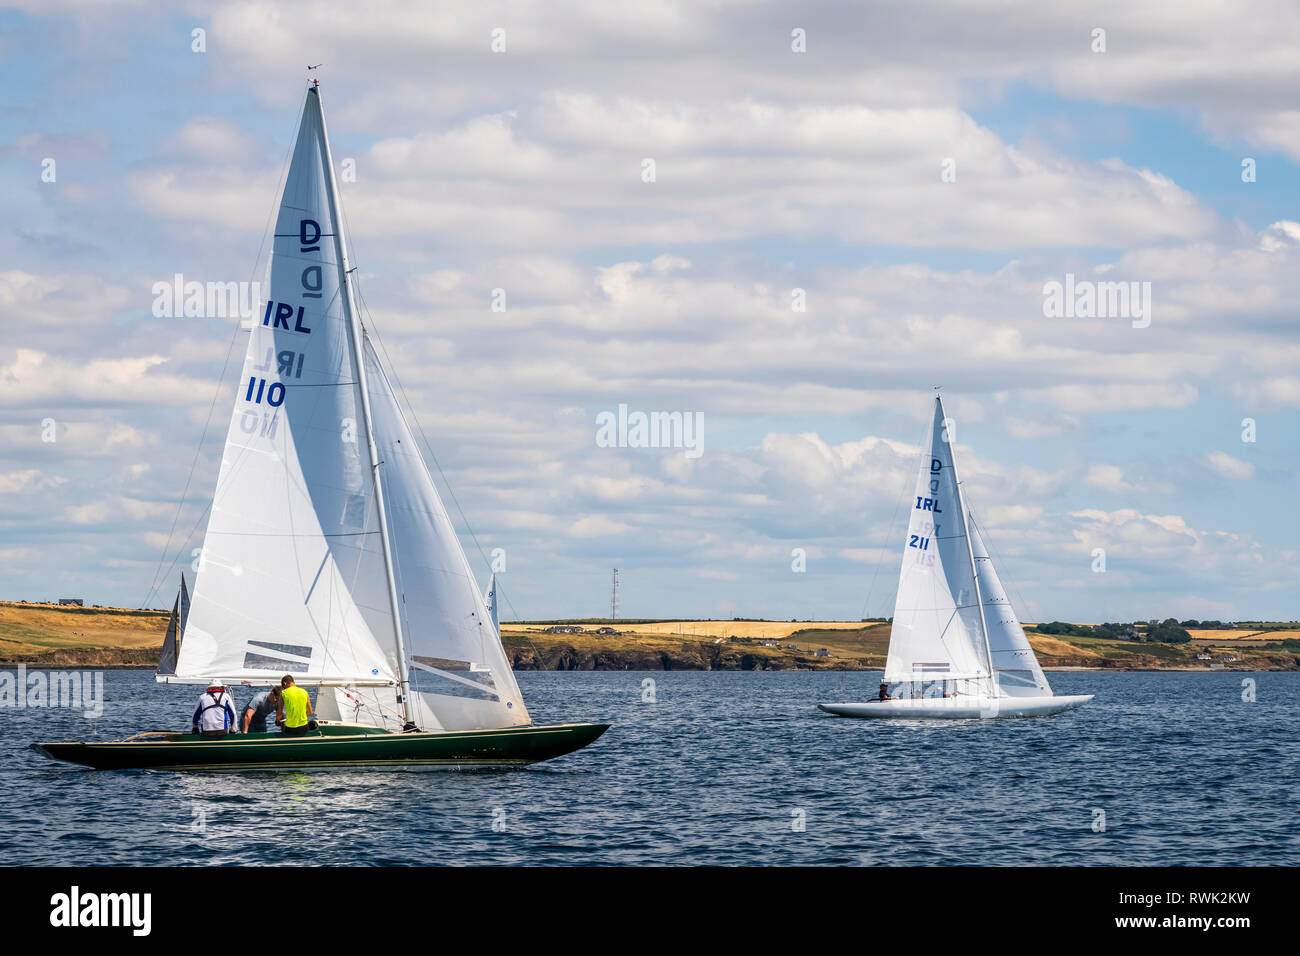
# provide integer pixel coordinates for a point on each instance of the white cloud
(33, 378)
(1225, 466)
(594, 526)
(29, 479)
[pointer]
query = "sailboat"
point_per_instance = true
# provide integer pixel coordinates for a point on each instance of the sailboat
(957, 649)
(328, 554)
(175, 628)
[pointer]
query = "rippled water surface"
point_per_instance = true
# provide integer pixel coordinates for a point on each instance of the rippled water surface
(721, 769)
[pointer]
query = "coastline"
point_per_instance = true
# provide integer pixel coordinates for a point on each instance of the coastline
(50, 637)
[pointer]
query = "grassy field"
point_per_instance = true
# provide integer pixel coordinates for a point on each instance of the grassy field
(51, 635)
(54, 636)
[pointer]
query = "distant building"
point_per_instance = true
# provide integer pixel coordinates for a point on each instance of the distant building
(564, 629)
(1203, 657)
(73, 602)
(606, 630)
(822, 652)
(771, 643)
(1153, 622)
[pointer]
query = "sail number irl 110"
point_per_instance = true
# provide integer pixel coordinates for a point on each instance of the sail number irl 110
(277, 316)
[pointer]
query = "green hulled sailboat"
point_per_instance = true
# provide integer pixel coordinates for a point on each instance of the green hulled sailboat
(328, 553)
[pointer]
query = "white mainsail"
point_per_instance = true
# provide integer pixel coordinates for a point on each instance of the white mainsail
(305, 557)
(937, 631)
(1017, 669)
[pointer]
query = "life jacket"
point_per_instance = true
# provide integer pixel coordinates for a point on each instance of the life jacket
(220, 700)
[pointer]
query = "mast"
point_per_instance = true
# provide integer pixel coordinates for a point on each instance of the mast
(355, 335)
(970, 552)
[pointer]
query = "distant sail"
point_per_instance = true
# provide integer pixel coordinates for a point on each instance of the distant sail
(936, 629)
(175, 631)
(185, 610)
(167, 660)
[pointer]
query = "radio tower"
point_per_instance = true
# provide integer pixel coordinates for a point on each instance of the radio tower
(613, 599)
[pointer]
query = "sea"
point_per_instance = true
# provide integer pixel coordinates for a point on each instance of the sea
(720, 768)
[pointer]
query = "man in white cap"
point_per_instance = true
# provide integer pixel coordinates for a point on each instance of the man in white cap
(214, 716)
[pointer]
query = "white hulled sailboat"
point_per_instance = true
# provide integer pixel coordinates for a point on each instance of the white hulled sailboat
(956, 649)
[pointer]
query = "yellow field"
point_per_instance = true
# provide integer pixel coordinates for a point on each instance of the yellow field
(761, 630)
(1222, 636)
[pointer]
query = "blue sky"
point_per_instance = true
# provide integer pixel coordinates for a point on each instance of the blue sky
(774, 170)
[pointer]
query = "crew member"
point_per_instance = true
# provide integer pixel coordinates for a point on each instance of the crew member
(214, 716)
(295, 708)
(264, 704)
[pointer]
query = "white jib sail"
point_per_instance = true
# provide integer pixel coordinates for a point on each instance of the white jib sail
(937, 634)
(292, 571)
(1017, 669)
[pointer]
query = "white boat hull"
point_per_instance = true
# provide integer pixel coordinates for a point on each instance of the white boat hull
(958, 708)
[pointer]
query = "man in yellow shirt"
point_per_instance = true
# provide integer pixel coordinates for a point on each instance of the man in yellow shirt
(295, 708)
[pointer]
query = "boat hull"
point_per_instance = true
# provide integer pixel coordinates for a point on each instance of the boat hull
(960, 708)
(332, 746)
